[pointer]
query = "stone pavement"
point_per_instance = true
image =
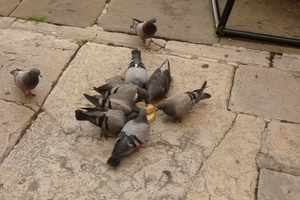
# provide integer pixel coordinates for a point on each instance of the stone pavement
(243, 143)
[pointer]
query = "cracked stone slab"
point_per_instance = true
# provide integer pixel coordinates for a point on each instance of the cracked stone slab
(72, 13)
(125, 40)
(176, 20)
(66, 32)
(6, 7)
(63, 159)
(275, 185)
(14, 119)
(266, 92)
(228, 54)
(290, 63)
(282, 143)
(231, 172)
(24, 50)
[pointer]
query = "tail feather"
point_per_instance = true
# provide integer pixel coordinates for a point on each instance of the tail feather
(92, 99)
(205, 96)
(80, 115)
(114, 161)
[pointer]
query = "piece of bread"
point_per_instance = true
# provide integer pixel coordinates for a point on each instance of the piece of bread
(151, 117)
(149, 108)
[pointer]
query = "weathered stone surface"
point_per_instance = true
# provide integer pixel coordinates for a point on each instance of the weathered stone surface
(228, 54)
(290, 63)
(73, 13)
(67, 32)
(176, 20)
(125, 40)
(231, 172)
(63, 160)
(6, 7)
(6, 22)
(282, 143)
(275, 185)
(24, 50)
(267, 92)
(13, 119)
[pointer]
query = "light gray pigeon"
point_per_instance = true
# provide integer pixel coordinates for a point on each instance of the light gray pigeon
(159, 82)
(179, 105)
(26, 81)
(119, 102)
(136, 72)
(144, 29)
(132, 136)
(132, 92)
(110, 121)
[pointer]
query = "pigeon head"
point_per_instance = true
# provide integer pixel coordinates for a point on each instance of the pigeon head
(136, 54)
(34, 73)
(167, 108)
(149, 28)
(142, 116)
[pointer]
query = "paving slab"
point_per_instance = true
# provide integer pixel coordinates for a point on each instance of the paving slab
(275, 185)
(287, 62)
(125, 40)
(6, 22)
(189, 20)
(58, 157)
(266, 92)
(14, 119)
(25, 50)
(6, 7)
(231, 172)
(282, 143)
(220, 53)
(66, 32)
(72, 13)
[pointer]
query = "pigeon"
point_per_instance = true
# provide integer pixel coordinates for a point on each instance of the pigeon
(132, 92)
(26, 81)
(179, 105)
(159, 82)
(110, 121)
(144, 29)
(118, 103)
(136, 72)
(132, 136)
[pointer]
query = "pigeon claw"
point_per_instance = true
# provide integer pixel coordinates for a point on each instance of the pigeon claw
(141, 146)
(179, 119)
(105, 135)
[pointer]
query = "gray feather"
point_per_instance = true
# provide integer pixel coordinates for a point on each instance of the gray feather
(159, 82)
(136, 72)
(133, 134)
(179, 105)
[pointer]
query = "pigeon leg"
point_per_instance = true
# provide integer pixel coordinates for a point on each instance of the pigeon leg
(29, 95)
(141, 146)
(179, 119)
(105, 135)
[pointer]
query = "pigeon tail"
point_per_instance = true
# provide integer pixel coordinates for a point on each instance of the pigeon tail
(114, 161)
(80, 115)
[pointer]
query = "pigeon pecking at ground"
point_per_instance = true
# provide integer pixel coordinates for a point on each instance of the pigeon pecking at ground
(110, 121)
(136, 72)
(179, 105)
(144, 29)
(26, 81)
(132, 92)
(159, 82)
(132, 136)
(118, 102)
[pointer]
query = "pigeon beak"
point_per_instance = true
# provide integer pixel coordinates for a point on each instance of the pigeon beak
(41, 76)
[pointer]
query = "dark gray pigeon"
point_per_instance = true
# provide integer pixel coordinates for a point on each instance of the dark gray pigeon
(144, 29)
(179, 105)
(26, 81)
(119, 102)
(132, 92)
(110, 121)
(136, 72)
(132, 136)
(159, 82)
